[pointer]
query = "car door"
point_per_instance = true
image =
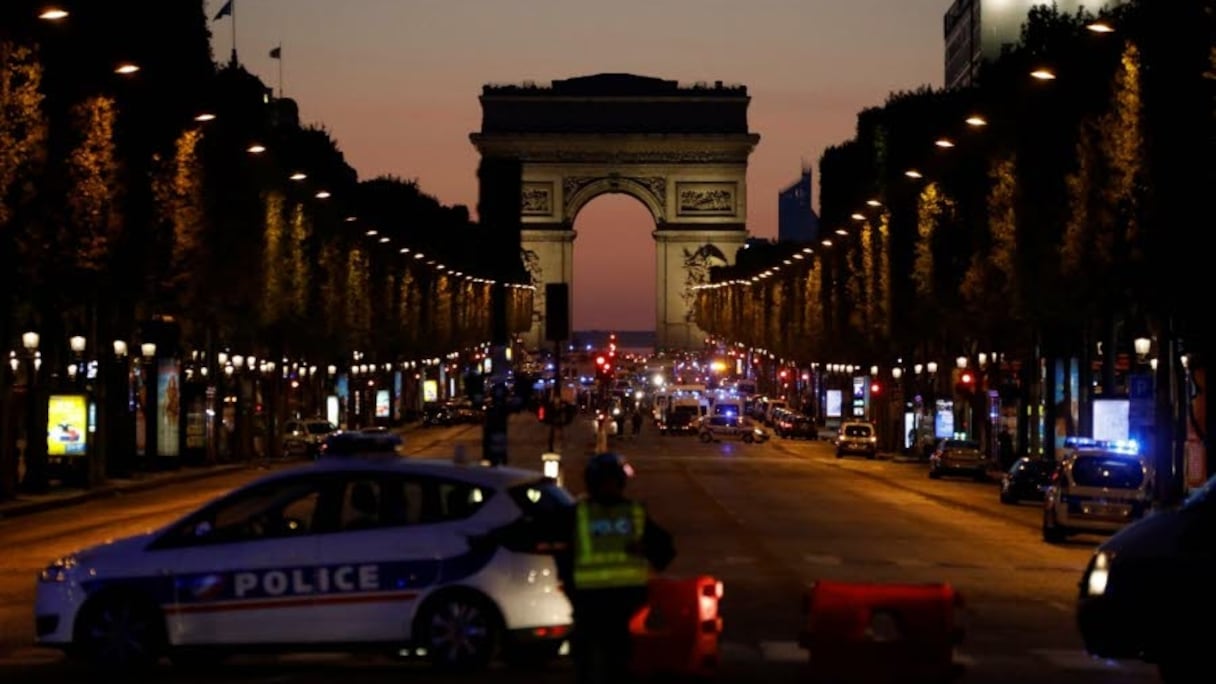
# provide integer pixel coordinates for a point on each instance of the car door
(396, 531)
(244, 568)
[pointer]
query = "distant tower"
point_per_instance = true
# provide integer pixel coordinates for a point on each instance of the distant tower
(796, 220)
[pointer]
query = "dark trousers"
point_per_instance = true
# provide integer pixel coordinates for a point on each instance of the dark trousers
(601, 644)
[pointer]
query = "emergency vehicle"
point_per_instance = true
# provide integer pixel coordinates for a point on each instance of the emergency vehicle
(1099, 486)
(348, 552)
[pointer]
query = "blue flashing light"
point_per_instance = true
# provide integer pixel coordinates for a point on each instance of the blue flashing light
(1122, 446)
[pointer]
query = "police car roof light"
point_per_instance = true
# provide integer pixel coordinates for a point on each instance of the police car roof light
(361, 444)
(1123, 446)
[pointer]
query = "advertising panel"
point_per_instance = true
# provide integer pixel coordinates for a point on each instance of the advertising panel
(1111, 419)
(168, 408)
(332, 409)
(943, 422)
(382, 404)
(430, 390)
(196, 423)
(67, 425)
(835, 399)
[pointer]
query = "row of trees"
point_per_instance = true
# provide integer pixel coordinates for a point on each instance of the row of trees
(186, 190)
(1035, 216)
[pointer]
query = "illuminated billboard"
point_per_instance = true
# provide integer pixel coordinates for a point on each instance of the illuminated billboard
(66, 425)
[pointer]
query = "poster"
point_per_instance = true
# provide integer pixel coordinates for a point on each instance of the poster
(382, 404)
(1111, 419)
(834, 400)
(943, 422)
(398, 385)
(168, 408)
(139, 399)
(196, 423)
(67, 425)
(430, 390)
(332, 412)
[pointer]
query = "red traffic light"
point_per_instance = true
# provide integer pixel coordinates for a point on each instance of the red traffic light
(966, 378)
(599, 360)
(875, 388)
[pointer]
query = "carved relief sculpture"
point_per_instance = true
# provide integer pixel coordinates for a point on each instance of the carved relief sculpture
(536, 276)
(705, 199)
(537, 199)
(696, 272)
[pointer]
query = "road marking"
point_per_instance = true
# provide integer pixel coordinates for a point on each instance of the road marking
(1071, 659)
(912, 563)
(782, 652)
(821, 559)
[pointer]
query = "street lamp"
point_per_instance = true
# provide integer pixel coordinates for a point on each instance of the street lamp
(29, 340)
(120, 348)
(931, 367)
(147, 349)
(961, 362)
(77, 344)
(874, 370)
(918, 368)
(53, 14)
(897, 372)
(1142, 346)
(126, 68)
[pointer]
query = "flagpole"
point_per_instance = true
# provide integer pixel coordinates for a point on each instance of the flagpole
(233, 14)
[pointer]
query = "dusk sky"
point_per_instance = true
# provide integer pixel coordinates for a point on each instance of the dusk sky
(396, 83)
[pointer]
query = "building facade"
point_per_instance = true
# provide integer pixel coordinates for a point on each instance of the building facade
(976, 31)
(796, 220)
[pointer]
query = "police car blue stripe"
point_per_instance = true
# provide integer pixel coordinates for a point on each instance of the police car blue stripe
(306, 582)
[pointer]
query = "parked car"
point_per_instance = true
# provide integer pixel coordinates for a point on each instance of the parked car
(1097, 487)
(958, 457)
(797, 426)
(1026, 480)
(343, 553)
(303, 438)
(856, 437)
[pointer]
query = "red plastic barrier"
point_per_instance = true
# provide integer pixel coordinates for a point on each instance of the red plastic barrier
(881, 632)
(676, 633)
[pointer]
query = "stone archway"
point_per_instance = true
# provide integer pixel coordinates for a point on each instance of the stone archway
(681, 151)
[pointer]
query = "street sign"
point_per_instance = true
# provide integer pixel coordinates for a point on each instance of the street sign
(1141, 407)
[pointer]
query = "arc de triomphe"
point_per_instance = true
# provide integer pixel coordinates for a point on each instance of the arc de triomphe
(681, 150)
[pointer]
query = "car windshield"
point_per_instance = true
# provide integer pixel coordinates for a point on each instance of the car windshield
(857, 431)
(1107, 471)
(320, 428)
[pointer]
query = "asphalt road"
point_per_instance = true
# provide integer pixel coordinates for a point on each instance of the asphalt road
(765, 519)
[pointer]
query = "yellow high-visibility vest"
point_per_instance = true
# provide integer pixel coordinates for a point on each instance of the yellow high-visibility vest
(603, 535)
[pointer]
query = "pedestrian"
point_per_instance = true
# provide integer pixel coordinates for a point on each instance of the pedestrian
(637, 422)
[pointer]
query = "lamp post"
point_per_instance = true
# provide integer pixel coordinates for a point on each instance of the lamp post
(147, 401)
(36, 477)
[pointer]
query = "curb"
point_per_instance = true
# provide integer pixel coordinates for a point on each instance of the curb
(20, 508)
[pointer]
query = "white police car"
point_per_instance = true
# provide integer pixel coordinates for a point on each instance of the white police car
(1098, 487)
(346, 552)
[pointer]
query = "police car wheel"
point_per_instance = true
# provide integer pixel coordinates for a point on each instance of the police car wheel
(460, 631)
(120, 632)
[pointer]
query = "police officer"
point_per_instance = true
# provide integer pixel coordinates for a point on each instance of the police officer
(613, 548)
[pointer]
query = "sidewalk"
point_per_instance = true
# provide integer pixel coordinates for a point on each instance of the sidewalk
(26, 504)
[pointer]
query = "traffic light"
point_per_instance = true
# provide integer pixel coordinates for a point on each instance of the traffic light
(875, 388)
(540, 413)
(966, 384)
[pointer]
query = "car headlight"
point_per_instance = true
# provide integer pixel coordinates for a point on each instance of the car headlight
(58, 570)
(1099, 575)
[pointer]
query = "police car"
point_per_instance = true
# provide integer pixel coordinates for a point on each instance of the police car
(346, 552)
(1099, 486)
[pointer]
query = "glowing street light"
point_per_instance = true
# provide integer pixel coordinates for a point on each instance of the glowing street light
(1043, 74)
(1101, 27)
(298, 176)
(826, 243)
(858, 216)
(873, 203)
(841, 231)
(126, 68)
(205, 117)
(944, 143)
(976, 121)
(323, 194)
(53, 14)
(255, 149)
(913, 173)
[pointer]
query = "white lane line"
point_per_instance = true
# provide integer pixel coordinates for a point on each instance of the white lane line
(1062, 607)
(822, 559)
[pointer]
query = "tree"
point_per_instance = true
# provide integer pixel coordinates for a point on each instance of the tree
(932, 208)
